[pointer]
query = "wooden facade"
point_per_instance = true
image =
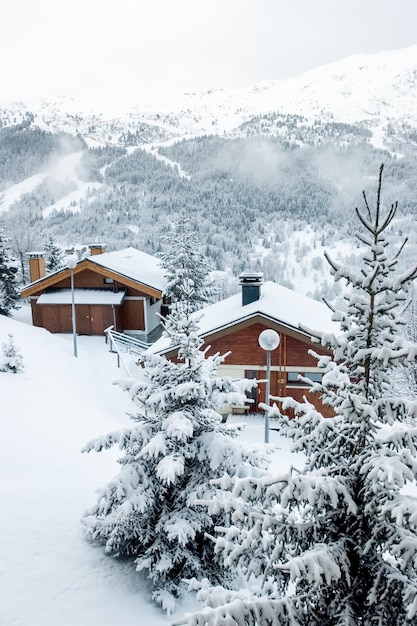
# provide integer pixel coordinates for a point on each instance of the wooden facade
(130, 311)
(248, 360)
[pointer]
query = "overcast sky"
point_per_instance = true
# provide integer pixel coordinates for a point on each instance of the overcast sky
(135, 50)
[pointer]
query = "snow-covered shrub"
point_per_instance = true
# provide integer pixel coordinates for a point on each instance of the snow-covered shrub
(335, 544)
(176, 445)
(11, 360)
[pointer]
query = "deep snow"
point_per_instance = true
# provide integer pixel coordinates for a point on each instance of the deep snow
(49, 574)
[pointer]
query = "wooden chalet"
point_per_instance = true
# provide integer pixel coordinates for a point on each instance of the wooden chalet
(121, 288)
(234, 325)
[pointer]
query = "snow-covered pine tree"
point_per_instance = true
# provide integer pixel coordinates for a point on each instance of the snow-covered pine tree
(9, 294)
(176, 445)
(335, 544)
(408, 378)
(55, 256)
(11, 360)
(186, 270)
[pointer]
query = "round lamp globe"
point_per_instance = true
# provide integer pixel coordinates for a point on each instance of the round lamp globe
(269, 339)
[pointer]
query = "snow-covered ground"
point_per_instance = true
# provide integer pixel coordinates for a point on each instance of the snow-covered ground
(49, 574)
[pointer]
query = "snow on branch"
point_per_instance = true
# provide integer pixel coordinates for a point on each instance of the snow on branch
(322, 564)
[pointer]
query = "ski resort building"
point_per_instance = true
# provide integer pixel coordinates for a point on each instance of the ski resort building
(121, 289)
(234, 325)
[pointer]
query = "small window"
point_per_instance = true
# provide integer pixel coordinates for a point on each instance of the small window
(293, 379)
(108, 281)
(316, 377)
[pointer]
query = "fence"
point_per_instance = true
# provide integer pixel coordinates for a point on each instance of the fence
(123, 344)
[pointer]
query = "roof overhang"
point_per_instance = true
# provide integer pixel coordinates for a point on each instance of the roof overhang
(125, 280)
(51, 279)
(249, 320)
(82, 296)
(244, 322)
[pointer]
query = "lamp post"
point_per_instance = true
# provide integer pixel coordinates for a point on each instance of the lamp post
(268, 340)
(71, 262)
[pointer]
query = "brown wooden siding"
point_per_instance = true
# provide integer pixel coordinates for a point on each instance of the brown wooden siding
(244, 347)
(84, 280)
(88, 279)
(36, 313)
(292, 352)
(56, 319)
(133, 315)
(91, 319)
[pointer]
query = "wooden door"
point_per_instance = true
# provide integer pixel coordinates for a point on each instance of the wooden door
(101, 317)
(83, 314)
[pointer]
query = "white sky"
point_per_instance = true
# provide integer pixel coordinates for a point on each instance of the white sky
(135, 50)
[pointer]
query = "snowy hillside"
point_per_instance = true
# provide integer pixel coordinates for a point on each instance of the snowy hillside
(271, 174)
(370, 89)
(49, 574)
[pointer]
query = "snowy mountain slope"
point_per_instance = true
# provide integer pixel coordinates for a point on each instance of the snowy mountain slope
(368, 89)
(15, 192)
(257, 165)
(361, 88)
(61, 171)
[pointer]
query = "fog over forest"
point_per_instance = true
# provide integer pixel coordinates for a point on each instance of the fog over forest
(269, 196)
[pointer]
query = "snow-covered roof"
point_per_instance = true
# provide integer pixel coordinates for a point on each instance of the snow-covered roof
(276, 303)
(133, 264)
(82, 296)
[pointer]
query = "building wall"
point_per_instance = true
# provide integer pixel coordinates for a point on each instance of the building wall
(87, 279)
(248, 360)
(132, 315)
(94, 319)
(91, 319)
(244, 346)
(153, 312)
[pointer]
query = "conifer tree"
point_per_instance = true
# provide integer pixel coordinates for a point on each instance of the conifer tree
(9, 294)
(408, 378)
(186, 269)
(335, 544)
(175, 446)
(55, 257)
(12, 360)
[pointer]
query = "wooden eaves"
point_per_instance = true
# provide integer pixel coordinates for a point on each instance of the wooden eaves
(52, 279)
(245, 322)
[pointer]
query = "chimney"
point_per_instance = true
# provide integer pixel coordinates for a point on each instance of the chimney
(251, 286)
(36, 265)
(97, 248)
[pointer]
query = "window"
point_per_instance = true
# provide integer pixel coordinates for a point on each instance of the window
(293, 379)
(108, 281)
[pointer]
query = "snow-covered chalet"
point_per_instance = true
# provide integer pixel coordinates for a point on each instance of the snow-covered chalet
(122, 289)
(234, 325)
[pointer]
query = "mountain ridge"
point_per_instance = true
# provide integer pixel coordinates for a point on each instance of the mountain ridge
(362, 88)
(268, 189)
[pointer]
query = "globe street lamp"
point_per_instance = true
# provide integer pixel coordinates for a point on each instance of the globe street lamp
(268, 340)
(71, 262)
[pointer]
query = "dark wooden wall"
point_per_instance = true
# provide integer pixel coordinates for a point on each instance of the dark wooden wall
(91, 319)
(292, 352)
(245, 348)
